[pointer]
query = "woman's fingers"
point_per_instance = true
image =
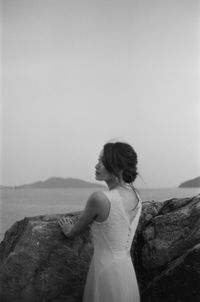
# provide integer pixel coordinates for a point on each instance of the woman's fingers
(68, 219)
(62, 221)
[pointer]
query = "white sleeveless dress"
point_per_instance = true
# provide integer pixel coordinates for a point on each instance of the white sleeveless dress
(111, 276)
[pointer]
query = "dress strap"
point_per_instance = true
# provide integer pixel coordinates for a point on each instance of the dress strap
(138, 196)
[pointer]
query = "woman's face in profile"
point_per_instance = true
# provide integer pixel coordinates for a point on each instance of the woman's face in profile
(101, 172)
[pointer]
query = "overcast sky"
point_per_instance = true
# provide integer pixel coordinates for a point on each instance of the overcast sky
(78, 73)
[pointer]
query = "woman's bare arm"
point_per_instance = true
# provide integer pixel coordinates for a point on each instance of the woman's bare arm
(92, 209)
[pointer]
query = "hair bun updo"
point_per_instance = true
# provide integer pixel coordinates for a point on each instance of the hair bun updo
(120, 156)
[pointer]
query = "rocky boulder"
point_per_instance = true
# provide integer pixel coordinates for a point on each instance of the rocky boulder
(168, 251)
(39, 264)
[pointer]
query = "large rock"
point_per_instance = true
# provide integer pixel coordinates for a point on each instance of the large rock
(39, 264)
(168, 251)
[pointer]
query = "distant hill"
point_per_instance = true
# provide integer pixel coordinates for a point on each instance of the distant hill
(192, 183)
(59, 182)
(5, 187)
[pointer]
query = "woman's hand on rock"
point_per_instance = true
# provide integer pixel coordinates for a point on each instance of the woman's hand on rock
(66, 225)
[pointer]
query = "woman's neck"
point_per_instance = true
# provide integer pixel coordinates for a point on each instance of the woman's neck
(116, 183)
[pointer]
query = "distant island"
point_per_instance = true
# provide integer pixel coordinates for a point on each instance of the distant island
(58, 182)
(5, 187)
(192, 183)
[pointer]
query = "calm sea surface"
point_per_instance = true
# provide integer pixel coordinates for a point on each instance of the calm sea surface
(15, 204)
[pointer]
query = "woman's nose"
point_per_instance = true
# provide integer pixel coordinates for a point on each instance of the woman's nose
(96, 166)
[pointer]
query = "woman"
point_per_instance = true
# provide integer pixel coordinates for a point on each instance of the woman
(114, 216)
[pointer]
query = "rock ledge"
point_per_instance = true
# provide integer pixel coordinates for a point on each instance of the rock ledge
(38, 264)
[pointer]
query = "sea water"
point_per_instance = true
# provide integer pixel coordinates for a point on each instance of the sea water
(15, 204)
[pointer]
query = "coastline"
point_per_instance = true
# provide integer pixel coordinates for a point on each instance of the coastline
(17, 204)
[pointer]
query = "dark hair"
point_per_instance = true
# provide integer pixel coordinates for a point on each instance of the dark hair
(120, 157)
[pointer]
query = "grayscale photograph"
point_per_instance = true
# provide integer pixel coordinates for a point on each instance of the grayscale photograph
(100, 151)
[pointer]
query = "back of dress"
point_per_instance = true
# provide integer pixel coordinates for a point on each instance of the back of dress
(111, 276)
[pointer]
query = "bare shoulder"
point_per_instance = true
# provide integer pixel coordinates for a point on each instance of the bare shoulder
(98, 196)
(98, 199)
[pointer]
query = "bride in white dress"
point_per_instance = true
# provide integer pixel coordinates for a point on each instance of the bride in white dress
(113, 216)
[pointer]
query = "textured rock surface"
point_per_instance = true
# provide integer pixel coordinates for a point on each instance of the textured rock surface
(38, 264)
(168, 251)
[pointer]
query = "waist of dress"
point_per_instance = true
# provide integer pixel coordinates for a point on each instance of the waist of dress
(122, 254)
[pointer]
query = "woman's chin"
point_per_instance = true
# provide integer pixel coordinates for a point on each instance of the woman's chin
(97, 177)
